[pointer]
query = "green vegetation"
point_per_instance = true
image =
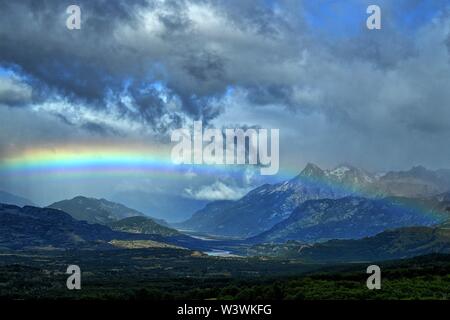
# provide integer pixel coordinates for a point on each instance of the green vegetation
(141, 244)
(167, 274)
(142, 225)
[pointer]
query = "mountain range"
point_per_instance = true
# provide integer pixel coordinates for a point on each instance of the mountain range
(415, 183)
(316, 207)
(31, 227)
(47, 228)
(264, 207)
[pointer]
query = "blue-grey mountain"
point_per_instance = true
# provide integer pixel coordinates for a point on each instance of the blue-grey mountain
(414, 183)
(350, 218)
(267, 205)
(264, 207)
(9, 198)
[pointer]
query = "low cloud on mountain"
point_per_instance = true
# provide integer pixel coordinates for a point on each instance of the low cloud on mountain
(217, 191)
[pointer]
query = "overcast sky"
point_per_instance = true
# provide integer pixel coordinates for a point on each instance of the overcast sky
(378, 99)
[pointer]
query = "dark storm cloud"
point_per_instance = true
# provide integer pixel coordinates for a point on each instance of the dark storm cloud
(205, 66)
(14, 93)
(270, 94)
(35, 40)
(337, 92)
(194, 62)
(92, 65)
(99, 129)
(165, 63)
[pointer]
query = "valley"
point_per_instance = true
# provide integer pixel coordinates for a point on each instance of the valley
(310, 237)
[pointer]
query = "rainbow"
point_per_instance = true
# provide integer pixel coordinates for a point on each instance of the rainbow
(93, 161)
(81, 161)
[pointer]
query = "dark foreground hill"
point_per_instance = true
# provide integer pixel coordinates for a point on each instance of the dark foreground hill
(393, 244)
(45, 228)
